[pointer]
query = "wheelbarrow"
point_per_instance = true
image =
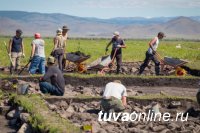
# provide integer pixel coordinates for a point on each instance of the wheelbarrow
(103, 64)
(176, 63)
(78, 60)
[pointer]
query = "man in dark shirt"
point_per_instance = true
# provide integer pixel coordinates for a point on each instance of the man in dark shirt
(117, 44)
(16, 50)
(53, 81)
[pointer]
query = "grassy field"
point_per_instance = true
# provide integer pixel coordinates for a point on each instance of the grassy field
(135, 50)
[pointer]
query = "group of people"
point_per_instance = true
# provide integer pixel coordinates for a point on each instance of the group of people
(116, 53)
(53, 81)
(37, 58)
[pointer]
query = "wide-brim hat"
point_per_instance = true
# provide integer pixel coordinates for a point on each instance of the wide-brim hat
(65, 27)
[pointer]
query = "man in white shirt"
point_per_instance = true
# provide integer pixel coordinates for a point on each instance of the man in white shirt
(150, 54)
(114, 97)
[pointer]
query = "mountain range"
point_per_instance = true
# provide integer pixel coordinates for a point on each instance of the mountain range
(129, 27)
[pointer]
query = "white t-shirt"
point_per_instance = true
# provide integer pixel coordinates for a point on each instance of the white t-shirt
(116, 90)
(154, 46)
(39, 47)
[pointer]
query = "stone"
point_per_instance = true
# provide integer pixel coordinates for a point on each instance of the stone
(109, 128)
(133, 69)
(52, 107)
(4, 109)
(81, 110)
(101, 131)
(172, 126)
(95, 126)
(158, 128)
(137, 109)
(133, 124)
(165, 131)
(13, 114)
(70, 109)
(136, 130)
(196, 129)
(25, 128)
(24, 117)
(63, 104)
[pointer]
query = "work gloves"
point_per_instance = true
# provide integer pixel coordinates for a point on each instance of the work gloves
(23, 55)
(118, 46)
(30, 59)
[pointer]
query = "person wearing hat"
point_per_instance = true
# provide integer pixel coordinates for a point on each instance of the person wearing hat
(37, 57)
(65, 29)
(16, 50)
(53, 81)
(117, 45)
(114, 97)
(59, 48)
(151, 54)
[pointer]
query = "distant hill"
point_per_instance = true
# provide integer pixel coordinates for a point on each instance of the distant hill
(133, 27)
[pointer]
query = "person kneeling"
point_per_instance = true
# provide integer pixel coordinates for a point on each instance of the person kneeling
(56, 86)
(114, 97)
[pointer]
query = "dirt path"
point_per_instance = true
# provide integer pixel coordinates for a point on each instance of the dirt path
(174, 91)
(4, 126)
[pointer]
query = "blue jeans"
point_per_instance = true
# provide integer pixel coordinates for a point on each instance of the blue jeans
(46, 87)
(37, 63)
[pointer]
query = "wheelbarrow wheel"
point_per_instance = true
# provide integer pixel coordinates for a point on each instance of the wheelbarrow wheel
(180, 71)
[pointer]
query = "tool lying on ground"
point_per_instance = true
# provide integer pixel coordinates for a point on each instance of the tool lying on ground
(174, 62)
(78, 58)
(103, 64)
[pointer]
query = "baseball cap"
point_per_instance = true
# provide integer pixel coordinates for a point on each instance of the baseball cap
(116, 33)
(19, 31)
(59, 31)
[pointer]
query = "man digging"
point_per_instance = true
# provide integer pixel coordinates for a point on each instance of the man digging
(114, 97)
(117, 45)
(53, 81)
(16, 51)
(151, 54)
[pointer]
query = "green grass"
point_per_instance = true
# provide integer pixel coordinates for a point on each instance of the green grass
(135, 50)
(43, 120)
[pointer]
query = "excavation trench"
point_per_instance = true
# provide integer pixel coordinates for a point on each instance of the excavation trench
(85, 112)
(81, 102)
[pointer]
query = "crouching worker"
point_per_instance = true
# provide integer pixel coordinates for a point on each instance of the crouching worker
(114, 97)
(53, 81)
(37, 55)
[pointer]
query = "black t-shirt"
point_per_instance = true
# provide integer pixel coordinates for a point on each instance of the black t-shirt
(116, 42)
(55, 76)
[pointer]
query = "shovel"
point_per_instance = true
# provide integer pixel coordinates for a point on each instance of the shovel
(24, 67)
(8, 53)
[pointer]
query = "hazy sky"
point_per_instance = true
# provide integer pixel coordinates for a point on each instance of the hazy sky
(107, 8)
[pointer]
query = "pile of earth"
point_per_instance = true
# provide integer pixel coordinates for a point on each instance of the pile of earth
(128, 68)
(86, 113)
